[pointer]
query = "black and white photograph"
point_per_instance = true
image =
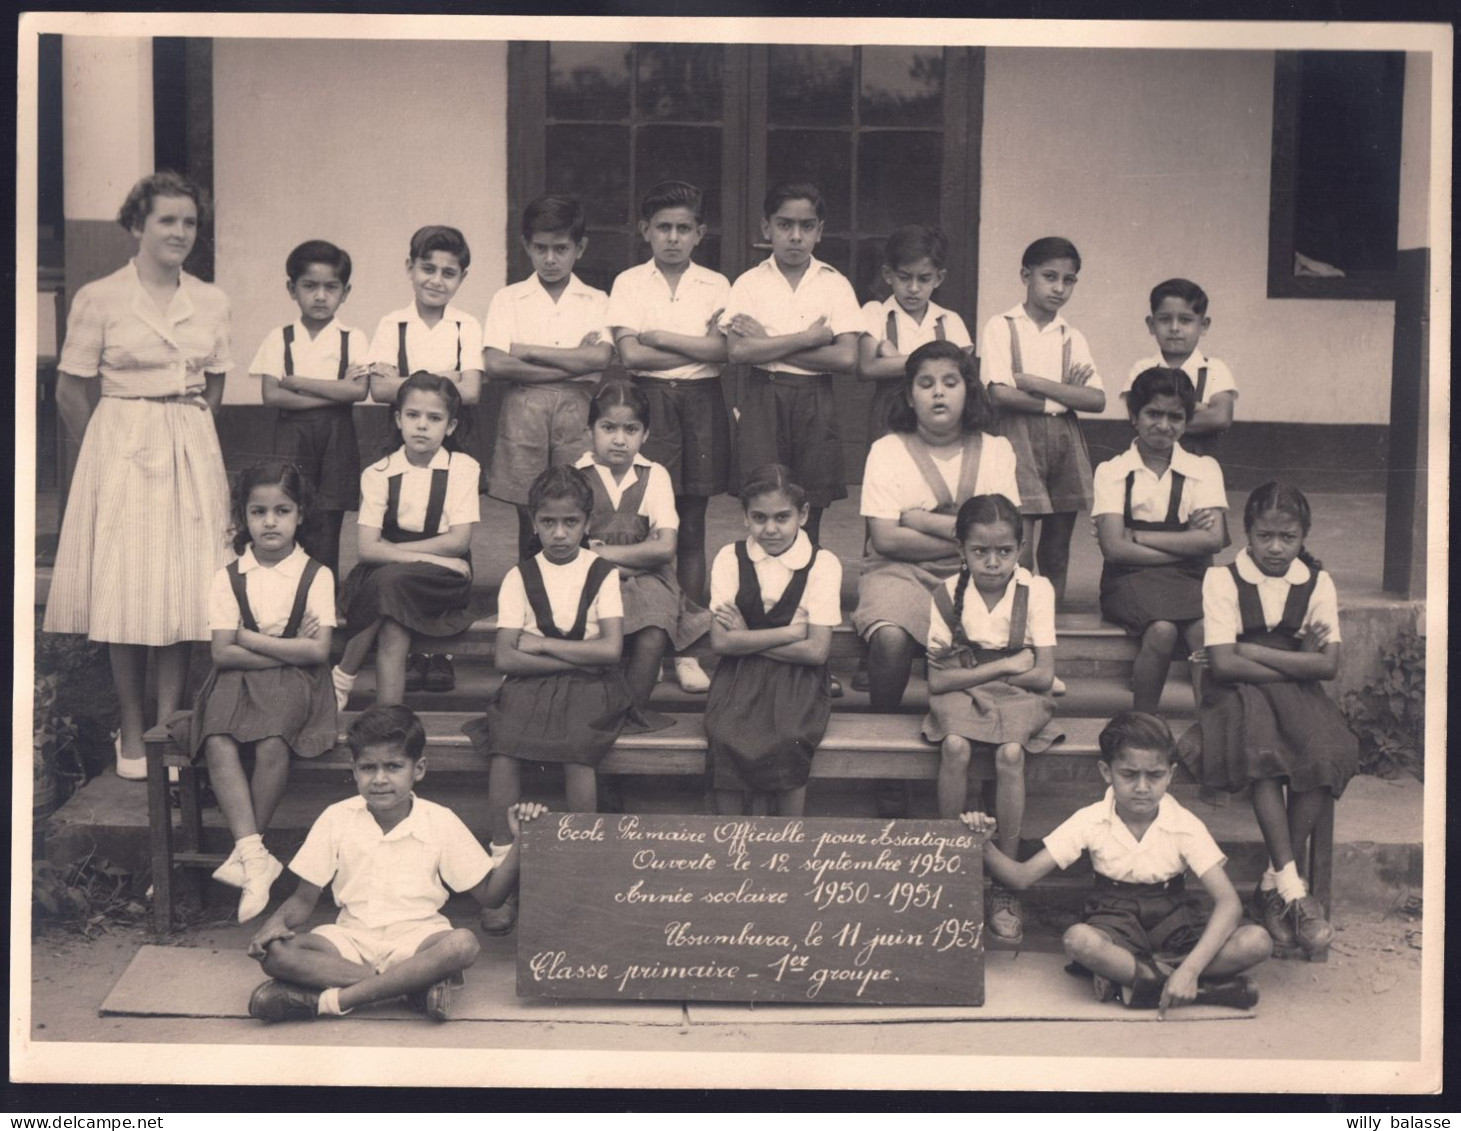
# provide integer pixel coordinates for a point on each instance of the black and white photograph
(606, 552)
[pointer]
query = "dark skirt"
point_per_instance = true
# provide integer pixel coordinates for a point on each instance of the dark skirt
(764, 720)
(296, 704)
(652, 599)
(428, 599)
(321, 442)
(1136, 597)
(573, 716)
(1251, 731)
(993, 713)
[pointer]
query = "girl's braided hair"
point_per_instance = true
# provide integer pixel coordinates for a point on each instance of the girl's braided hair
(980, 510)
(1280, 497)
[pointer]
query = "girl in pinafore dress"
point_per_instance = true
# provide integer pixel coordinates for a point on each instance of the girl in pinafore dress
(1272, 627)
(775, 598)
(1160, 514)
(938, 454)
(560, 634)
(634, 526)
(271, 613)
(991, 661)
(418, 506)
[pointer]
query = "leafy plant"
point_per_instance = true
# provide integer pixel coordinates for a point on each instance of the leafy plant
(74, 694)
(56, 740)
(89, 895)
(1389, 714)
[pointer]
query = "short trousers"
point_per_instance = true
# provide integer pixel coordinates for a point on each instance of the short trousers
(380, 948)
(1052, 464)
(791, 419)
(689, 432)
(540, 426)
(1156, 921)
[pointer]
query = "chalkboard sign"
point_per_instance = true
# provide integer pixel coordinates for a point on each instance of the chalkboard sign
(751, 909)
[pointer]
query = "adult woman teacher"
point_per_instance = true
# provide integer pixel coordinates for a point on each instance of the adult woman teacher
(141, 375)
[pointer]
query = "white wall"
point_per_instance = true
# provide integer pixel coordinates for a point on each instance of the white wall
(1155, 164)
(360, 143)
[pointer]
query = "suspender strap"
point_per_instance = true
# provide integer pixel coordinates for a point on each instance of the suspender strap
(1202, 384)
(945, 606)
(459, 347)
(968, 467)
(403, 367)
(301, 597)
(1017, 363)
(939, 335)
(241, 595)
(1297, 605)
(748, 594)
(435, 505)
(892, 332)
(1064, 357)
(537, 593)
(344, 353)
(1019, 614)
(1250, 606)
(289, 351)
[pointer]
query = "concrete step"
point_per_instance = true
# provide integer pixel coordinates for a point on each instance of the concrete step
(1086, 696)
(1378, 840)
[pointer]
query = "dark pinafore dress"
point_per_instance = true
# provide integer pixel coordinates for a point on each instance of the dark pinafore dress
(428, 599)
(1051, 433)
(1202, 445)
(1290, 730)
(886, 394)
(321, 441)
(995, 712)
(569, 716)
(652, 597)
(1135, 596)
(290, 702)
(764, 718)
(897, 591)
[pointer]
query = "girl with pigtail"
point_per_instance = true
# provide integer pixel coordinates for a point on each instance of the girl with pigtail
(991, 663)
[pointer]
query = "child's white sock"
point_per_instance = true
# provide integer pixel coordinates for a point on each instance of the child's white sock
(342, 681)
(1290, 886)
(1269, 881)
(247, 846)
(498, 851)
(329, 1003)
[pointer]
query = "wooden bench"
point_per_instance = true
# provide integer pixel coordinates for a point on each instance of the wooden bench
(856, 747)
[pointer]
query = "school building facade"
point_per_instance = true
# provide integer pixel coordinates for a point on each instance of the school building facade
(1224, 166)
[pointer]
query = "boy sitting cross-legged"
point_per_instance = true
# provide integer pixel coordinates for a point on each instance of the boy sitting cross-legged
(1142, 936)
(390, 858)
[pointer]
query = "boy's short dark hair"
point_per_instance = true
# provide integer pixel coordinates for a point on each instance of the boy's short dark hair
(393, 724)
(1159, 381)
(672, 194)
(555, 213)
(1048, 248)
(307, 254)
(438, 237)
(1184, 289)
(794, 190)
(914, 242)
(1137, 730)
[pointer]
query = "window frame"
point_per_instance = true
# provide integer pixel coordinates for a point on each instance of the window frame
(1282, 282)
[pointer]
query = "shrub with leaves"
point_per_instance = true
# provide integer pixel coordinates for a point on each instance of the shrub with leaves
(1389, 714)
(89, 896)
(77, 689)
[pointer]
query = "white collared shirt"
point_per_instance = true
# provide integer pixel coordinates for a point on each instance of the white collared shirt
(1151, 493)
(433, 348)
(564, 586)
(641, 300)
(892, 483)
(115, 331)
(317, 357)
(913, 334)
(821, 601)
(658, 502)
(990, 628)
(1219, 376)
(383, 878)
(270, 590)
(764, 294)
(1175, 841)
(1041, 351)
(462, 505)
(1223, 619)
(525, 312)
